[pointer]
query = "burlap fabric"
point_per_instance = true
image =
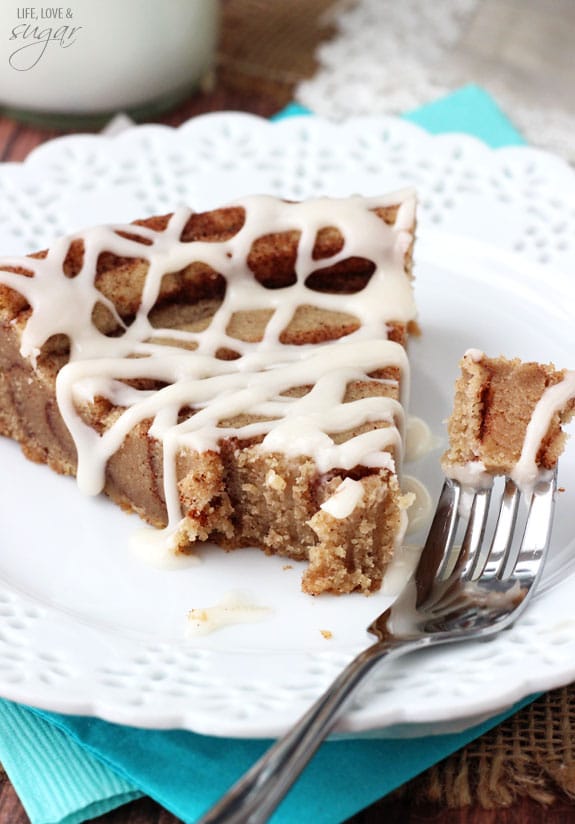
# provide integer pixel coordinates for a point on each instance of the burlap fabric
(266, 48)
(532, 754)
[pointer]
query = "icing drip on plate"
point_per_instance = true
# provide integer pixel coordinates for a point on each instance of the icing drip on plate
(185, 363)
(234, 608)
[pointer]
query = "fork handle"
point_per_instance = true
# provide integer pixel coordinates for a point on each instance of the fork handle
(255, 796)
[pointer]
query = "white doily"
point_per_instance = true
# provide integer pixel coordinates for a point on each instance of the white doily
(389, 58)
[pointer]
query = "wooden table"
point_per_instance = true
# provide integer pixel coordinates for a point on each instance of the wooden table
(16, 141)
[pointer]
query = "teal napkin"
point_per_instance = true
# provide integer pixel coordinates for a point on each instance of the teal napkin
(67, 769)
(470, 110)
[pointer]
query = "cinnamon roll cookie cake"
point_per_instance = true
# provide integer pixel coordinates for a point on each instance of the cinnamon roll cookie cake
(237, 376)
(240, 377)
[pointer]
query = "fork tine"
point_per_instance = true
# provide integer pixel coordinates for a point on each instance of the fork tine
(438, 546)
(473, 548)
(452, 560)
(493, 555)
(525, 562)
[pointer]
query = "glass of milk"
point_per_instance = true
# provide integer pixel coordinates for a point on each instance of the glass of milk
(85, 60)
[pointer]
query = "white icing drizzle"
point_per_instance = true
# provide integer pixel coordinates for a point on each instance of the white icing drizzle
(151, 548)
(526, 472)
(471, 475)
(344, 500)
(256, 381)
(475, 355)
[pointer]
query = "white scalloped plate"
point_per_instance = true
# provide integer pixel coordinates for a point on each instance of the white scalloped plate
(87, 628)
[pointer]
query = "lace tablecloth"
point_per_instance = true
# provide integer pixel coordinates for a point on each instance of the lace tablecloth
(393, 57)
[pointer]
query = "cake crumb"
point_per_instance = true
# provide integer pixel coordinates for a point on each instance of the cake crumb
(275, 481)
(287, 566)
(326, 633)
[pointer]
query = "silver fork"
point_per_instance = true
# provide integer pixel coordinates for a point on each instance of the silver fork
(460, 591)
